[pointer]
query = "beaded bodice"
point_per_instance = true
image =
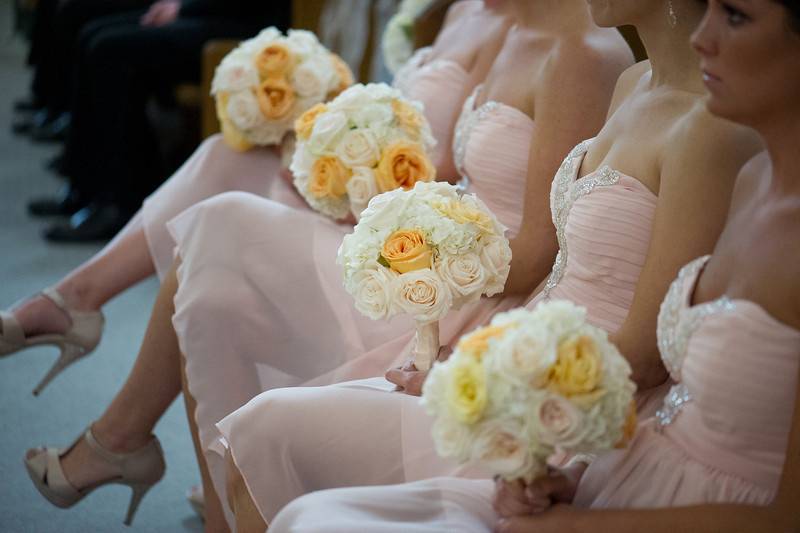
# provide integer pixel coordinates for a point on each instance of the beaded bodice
(469, 118)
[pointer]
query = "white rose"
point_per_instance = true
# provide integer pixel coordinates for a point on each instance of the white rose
(463, 273)
(313, 78)
(302, 160)
(352, 98)
(373, 115)
(526, 355)
(235, 73)
(361, 187)
(243, 110)
(559, 423)
(374, 292)
(358, 148)
(422, 294)
(303, 42)
(452, 439)
(496, 259)
(502, 446)
(328, 128)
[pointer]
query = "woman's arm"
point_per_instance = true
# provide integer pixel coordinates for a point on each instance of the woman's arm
(781, 516)
(698, 173)
(571, 102)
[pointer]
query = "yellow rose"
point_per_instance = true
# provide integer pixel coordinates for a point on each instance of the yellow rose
(477, 343)
(466, 395)
(577, 370)
(304, 125)
(230, 134)
(328, 178)
(409, 118)
(463, 213)
(403, 164)
(629, 429)
(344, 74)
(406, 250)
(274, 60)
(275, 98)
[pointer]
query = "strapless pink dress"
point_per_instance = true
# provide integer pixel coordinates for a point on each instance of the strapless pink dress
(213, 168)
(261, 303)
(720, 437)
(362, 433)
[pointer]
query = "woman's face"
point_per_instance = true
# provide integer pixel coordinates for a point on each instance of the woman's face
(750, 57)
(610, 13)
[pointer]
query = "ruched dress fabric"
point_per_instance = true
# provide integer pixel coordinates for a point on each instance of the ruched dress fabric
(261, 302)
(214, 168)
(720, 437)
(361, 433)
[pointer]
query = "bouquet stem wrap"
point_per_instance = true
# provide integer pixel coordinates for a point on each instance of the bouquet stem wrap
(426, 345)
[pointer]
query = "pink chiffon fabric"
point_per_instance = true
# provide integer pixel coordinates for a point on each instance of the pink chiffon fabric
(362, 433)
(721, 436)
(261, 302)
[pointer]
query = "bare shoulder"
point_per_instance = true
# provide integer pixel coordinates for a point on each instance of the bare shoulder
(580, 61)
(699, 139)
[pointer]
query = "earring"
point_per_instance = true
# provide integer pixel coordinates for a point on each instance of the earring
(673, 17)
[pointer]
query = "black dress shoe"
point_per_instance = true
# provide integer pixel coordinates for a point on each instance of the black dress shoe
(96, 222)
(27, 105)
(55, 129)
(66, 204)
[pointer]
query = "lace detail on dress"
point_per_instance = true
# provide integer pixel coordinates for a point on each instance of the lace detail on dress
(563, 194)
(467, 121)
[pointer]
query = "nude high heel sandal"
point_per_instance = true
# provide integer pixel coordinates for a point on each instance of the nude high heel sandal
(80, 339)
(140, 470)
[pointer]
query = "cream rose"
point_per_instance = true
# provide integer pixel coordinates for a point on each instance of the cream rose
(463, 273)
(423, 295)
(328, 128)
(527, 357)
(560, 423)
(578, 369)
(361, 187)
(235, 73)
(452, 439)
(358, 148)
(502, 447)
(496, 260)
(375, 292)
(243, 110)
(312, 78)
(303, 42)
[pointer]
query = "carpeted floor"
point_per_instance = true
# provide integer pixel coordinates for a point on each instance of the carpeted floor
(78, 396)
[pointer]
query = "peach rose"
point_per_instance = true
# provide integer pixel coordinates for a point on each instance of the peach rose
(408, 117)
(406, 250)
(344, 74)
(477, 343)
(304, 125)
(275, 98)
(328, 178)
(274, 60)
(403, 165)
(578, 370)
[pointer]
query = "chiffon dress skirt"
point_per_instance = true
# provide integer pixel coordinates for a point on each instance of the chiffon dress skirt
(362, 433)
(721, 435)
(261, 302)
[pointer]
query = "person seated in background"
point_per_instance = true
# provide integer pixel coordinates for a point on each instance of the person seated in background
(56, 24)
(111, 156)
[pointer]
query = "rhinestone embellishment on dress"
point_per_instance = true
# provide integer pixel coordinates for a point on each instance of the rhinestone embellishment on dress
(563, 194)
(674, 401)
(469, 118)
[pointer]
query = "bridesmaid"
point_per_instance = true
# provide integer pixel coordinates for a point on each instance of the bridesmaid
(728, 458)
(247, 323)
(68, 314)
(627, 206)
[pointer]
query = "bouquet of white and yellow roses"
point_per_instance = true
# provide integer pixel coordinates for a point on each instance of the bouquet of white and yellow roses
(398, 37)
(528, 385)
(423, 252)
(368, 140)
(267, 82)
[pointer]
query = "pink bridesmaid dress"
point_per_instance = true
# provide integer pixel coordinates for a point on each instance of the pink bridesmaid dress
(721, 435)
(261, 303)
(360, 433)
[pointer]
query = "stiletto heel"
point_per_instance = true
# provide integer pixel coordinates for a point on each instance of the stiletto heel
(137, 495)
(69, 354)
(140, 470)
(80, 339)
